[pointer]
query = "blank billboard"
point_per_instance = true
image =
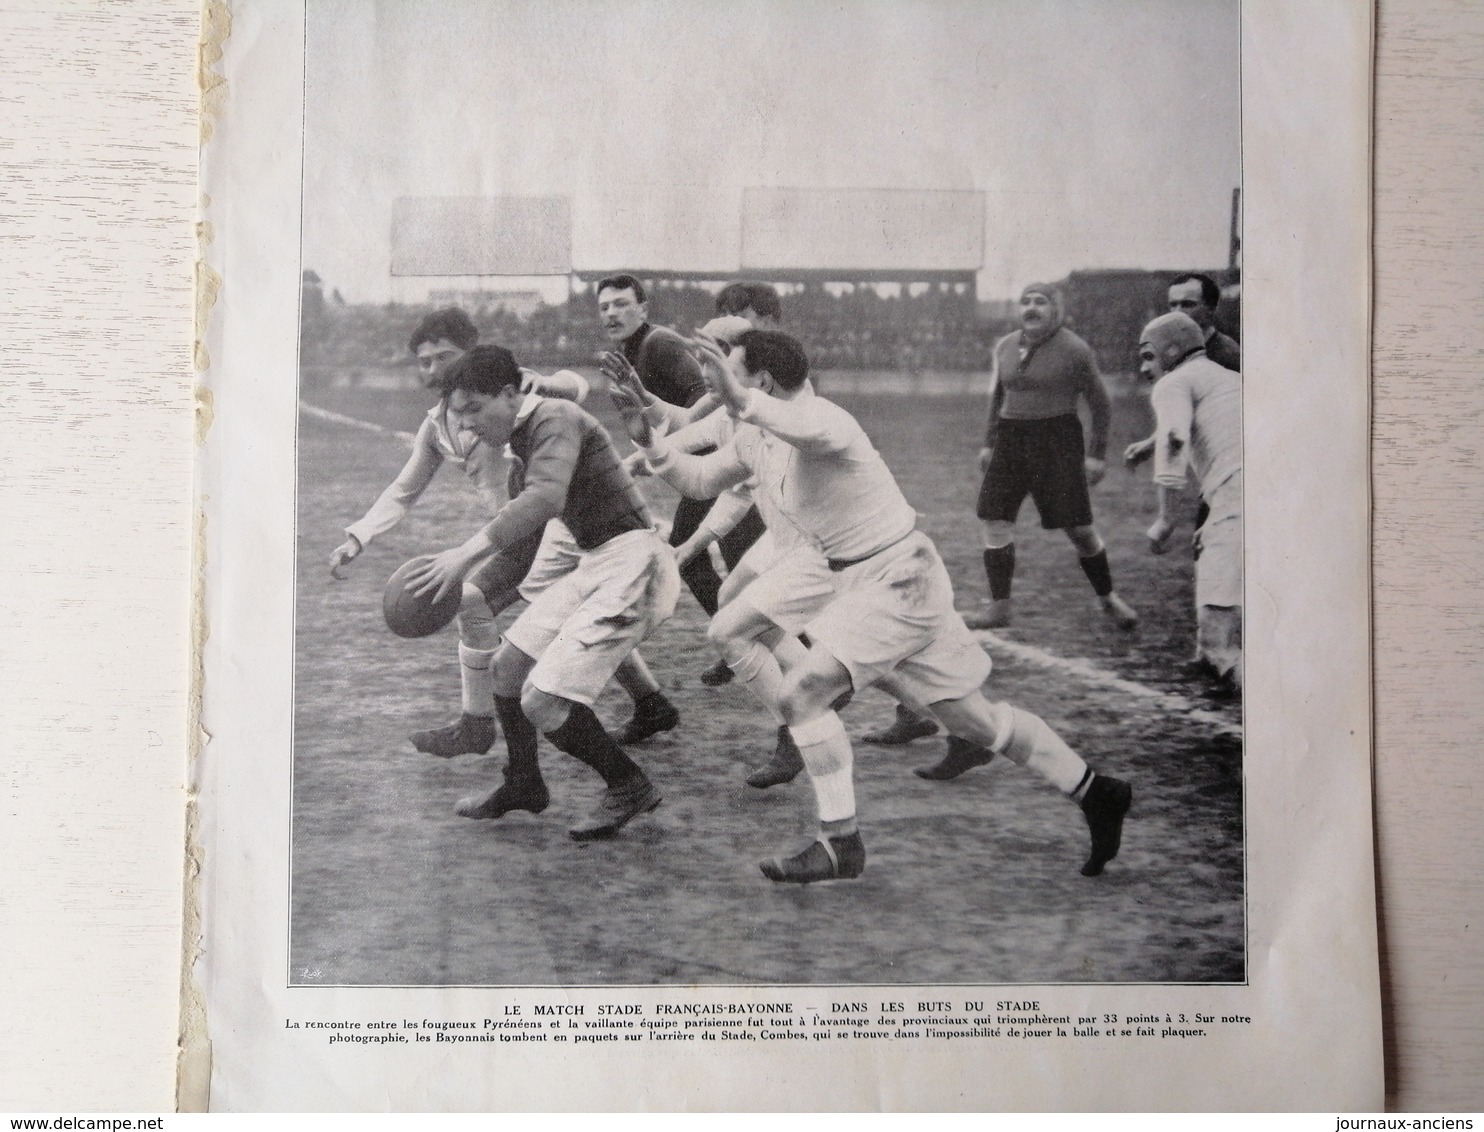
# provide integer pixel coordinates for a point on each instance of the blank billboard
(481, 236)
(862, 229)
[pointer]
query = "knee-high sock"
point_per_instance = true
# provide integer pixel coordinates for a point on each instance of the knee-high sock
(476, 618)
(827, 757)
(1095, 566)
(1027, 739)
(520, 739)
(582, 736)
(999, 567)
(476, 680)
(759, 673)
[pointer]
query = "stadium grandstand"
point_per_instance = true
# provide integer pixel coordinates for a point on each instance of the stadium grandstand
(888, 287)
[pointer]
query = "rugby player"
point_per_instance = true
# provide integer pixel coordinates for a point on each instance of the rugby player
(890, 617)
(671, 374)
(780, 583)
(1196, 295)
(560, 652)
(759, 304)
(438, 341)
(1033, 445)
(1198, 415)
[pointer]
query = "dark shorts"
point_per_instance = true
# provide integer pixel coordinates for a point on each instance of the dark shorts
(1045, 460)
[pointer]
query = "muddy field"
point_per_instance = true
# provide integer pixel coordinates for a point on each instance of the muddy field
(973, 881)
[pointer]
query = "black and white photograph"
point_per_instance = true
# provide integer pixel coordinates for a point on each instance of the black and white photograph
(769, 495)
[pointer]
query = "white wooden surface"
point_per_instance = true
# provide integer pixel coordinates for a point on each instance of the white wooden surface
(97, 193)
(96, 199)
(1429, 497)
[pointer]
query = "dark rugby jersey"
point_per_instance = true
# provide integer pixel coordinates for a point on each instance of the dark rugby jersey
(568, 469)
(1047, 382)
(665, 365)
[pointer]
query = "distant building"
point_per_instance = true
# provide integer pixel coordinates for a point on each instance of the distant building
(478, 300)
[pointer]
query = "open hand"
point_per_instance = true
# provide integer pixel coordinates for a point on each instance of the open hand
(440, 574)
(621, 375)
(631, 409)
(718, 373)
(344, 555)
(1137, 452)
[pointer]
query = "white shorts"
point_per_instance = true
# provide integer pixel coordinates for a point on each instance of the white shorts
(556, 557)
(790, 590)
(582, 626)
(893, 615)
(1218, 570)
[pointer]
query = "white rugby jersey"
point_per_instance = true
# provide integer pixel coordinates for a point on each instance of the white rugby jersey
(437, 441)
(1198, 408)
(816, 472)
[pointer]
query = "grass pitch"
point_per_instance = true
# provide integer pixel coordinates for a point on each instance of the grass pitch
(973, 881)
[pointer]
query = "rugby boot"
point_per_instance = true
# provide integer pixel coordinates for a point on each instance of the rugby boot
(783, 767)
(468, 735)
(717, 675)
(829, 858)
(512, 794)
(1120, 612)
(653, 714)
(618, 806)
(907, 726)
(1105, 804)
(962, 756)
(996, 615)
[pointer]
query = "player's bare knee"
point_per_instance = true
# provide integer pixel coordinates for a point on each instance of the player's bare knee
(972, 717)
(1086, 540)
(806, 694)
(735, 625)
(546, 711)
(998, 533)
(509, 669)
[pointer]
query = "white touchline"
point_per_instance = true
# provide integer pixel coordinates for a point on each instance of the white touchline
(354, 422)
(1170, 701)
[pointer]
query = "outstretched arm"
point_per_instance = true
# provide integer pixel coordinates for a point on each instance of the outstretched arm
(395, 501)
(697, 477)
(625, 388)
(807, 423)
(565, 384)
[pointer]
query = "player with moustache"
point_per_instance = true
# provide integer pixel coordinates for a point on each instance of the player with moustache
(891, 615)
(1034, 446)
(559, 653)
(670, 373)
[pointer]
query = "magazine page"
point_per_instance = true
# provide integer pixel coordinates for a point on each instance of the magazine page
(793, 557)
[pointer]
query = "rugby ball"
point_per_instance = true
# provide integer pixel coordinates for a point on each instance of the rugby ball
(410, 615)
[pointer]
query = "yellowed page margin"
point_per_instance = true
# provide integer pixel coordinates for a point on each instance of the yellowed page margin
(193, 1053)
